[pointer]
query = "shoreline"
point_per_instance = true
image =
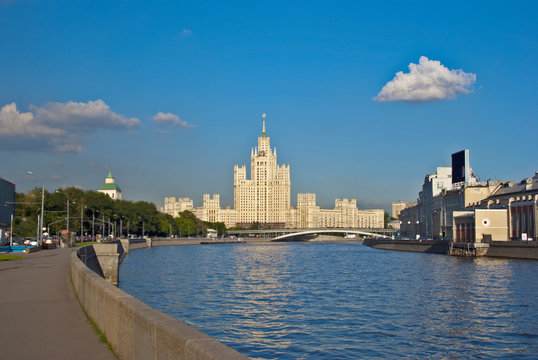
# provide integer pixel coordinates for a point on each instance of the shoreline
(496, 249)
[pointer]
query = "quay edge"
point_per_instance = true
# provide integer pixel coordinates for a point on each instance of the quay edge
(499, 249)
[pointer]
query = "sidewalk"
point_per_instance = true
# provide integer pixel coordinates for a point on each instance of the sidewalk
(40, 317)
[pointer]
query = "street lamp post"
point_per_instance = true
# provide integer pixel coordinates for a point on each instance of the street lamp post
(81, 222)
(11, 232)
(93, 222)
(42, 208)
(67, 220)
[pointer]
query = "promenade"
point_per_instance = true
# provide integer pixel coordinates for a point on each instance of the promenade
(40, 316)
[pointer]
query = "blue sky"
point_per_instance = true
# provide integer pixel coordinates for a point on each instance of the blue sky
(169, 94)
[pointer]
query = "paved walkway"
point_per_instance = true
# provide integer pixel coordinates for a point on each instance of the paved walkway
(40, 317)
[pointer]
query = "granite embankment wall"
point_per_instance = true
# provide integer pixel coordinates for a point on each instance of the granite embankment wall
(513, 249)
(436, 247)
(133, 329)
(503, 249)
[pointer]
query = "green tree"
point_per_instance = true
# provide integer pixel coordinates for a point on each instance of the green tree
(386, 220)
(186, 223)
(255, 226)
(218, 226)
(97, 211)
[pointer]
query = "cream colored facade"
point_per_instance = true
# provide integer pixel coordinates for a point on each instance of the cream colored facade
(307, 214)
(371, 218)
(480, 225)
(265, 197)
(173, 207)
(210, 211)
(398, 206)
(344, 215)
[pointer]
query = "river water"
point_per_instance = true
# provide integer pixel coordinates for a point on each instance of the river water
(342, 300)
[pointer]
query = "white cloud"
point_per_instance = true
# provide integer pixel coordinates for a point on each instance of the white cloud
(15, 123)
(428, 80)
(93, 114)
(186, 32)
(61, 127)
(169, 119)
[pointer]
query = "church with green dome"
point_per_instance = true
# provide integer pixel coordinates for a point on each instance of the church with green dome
(110, 187)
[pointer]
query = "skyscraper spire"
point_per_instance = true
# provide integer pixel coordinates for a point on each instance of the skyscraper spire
(263, 129)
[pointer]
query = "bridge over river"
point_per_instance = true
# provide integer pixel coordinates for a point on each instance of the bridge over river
(288, 234)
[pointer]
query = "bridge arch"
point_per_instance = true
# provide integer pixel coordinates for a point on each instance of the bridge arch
(325, 231)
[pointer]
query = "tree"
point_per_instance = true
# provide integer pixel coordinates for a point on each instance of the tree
(386, 220)
(218, 226)
(137, 216)
(186, 224)
(255, 226)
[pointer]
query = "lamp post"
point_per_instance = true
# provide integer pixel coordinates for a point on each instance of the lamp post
(11, 232)
(81, 222)
(54, 222)
(142, 226)
(93, 221)
(67, 220)
(42, 208)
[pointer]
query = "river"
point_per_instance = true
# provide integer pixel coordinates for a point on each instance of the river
(342, 300)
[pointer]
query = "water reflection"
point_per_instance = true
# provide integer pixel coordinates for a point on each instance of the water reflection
(315, 301)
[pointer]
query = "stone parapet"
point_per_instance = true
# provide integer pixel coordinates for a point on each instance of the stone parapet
(135, 330)
(108, 256)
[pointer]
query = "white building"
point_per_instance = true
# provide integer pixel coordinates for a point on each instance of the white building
(433, 185)
(173, 207)
(398, 206)
(344, 215)
(307, 214)
(210, 211)
(265, 197)
(110, 187)
(371, 219)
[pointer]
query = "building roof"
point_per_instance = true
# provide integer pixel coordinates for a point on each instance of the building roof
(110, 187)
(511, 187)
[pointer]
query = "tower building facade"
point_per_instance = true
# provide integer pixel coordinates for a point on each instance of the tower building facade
(265, 197)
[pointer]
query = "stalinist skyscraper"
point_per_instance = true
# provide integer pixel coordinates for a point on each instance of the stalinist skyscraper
(265, 198)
